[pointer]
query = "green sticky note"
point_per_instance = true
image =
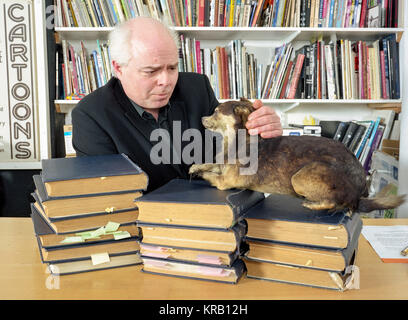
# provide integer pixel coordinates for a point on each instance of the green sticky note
(72, 240)
(122, 235)
(99, 258)
(89, 237)
(111, 226)
(98, 232)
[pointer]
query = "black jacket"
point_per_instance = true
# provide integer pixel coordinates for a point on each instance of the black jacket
(105, 122)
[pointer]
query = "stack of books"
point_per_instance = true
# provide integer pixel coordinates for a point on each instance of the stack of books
(193, 230)
(84, 213)
(292, 244)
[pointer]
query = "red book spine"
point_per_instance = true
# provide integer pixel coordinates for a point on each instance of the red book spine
(363, 14)
(296, 76)
(74, 69)
(198, 56)
(383, 83)
(201, 5)
(319, 92)
(368, 75)
(225, 73)
(285, 81)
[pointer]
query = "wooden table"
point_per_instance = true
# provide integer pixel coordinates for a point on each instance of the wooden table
(23, 276)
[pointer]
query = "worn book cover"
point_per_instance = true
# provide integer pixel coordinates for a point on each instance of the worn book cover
(82, 205)
(283, 218)
(195, 203)
(306, 256)
(195, 271)
(201, 256)
(227, 240)
(91, 174)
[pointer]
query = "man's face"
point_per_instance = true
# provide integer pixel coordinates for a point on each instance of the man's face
(151, 74)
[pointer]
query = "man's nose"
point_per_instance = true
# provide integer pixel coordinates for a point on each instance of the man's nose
(163, 78)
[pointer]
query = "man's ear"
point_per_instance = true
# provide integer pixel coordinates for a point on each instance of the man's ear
(117, 69)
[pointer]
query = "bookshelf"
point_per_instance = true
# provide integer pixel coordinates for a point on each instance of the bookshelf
(260, 40)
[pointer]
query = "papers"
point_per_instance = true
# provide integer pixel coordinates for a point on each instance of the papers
(100, 258)
(388, 241)
(110, 229)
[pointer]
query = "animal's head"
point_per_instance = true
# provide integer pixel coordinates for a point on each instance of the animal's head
(229, 116)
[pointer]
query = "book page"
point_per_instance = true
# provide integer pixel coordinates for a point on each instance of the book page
(388, 241)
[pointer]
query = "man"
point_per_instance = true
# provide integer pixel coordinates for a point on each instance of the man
(148, 93)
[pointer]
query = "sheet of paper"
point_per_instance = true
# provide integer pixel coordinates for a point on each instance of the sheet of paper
(388, 241)
(99, 258)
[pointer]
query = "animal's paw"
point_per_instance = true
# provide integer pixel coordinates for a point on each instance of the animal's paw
(195, 169)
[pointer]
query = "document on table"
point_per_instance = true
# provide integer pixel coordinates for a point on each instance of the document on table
(388, 241)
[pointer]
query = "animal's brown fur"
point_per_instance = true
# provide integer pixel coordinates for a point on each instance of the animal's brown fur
(321, 170)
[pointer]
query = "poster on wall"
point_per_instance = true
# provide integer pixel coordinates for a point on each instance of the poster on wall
(18, 123)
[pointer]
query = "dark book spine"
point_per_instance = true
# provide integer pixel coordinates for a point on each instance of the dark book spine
(357, 138)
(348, 136)
(341, 131)
(308, 72)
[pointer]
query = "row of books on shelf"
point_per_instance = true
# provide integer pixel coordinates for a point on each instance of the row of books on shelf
(186, 228)
(338, 69)
(231, 13)
(79, 72)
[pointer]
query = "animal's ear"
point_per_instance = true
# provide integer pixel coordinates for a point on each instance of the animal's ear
(244, 100)
(243, 111)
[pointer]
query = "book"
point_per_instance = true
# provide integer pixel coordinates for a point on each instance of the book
(72, 267)
(204, 257)
(65, 226)
(195, 203)
(49, 240)
(283, 218)
(84, 251)
(348, 136)
(195, 271)
(341, 130)
(91, 175)
(69, 149)
(358, 135)
(300, 276)
(297, 255)
(227, 240)
(84, 205)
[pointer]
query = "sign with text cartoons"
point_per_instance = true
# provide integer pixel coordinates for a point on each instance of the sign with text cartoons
(18, 111)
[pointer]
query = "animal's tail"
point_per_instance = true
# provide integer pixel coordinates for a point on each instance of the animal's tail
(380, 202)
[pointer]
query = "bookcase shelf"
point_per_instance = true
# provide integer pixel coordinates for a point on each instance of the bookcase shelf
(66, 106)
(246, 33)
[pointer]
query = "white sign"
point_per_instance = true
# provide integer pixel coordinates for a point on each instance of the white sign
(18, 116)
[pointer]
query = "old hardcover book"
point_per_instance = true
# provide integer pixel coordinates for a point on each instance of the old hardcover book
(297, 255)
(204, 257)
(71, 267)
(91, 175)
(48, 239)
(83, 205)
(283, 218)
(300, 276)
(227, 240)
(65, 226)
(84, 251)
(195, 203)
(195, 271)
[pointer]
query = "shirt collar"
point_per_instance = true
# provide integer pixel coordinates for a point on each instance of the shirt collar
(163, 111)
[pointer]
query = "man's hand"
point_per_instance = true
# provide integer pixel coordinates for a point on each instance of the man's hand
(264, 121)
